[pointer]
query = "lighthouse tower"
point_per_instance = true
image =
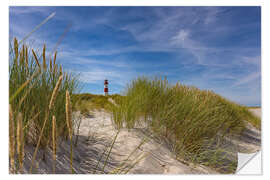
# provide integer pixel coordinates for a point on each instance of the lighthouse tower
(106, 90)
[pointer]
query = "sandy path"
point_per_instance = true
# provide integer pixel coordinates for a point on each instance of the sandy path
(96, 133)
(158, 160)
(250, 139)
(256, 111)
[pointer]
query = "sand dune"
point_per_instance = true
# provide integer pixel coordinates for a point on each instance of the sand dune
(256, 111)
(96, 133)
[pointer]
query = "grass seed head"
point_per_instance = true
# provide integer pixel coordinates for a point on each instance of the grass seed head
(35, 57)
(50, 65)
(26, 57)
(54, 59)
(68, 114)
(16, 48)
(11, 140)
(54, 141)
(55, 91)
(20, 140)
(44, 57)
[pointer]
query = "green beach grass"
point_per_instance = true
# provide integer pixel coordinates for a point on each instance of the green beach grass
(41, 100)
(185, 116)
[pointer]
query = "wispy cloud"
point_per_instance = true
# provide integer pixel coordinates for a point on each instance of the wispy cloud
(248, 79)
(214, 48)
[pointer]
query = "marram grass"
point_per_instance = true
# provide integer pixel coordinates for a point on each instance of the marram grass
(70, 129)
(54, 142)
(37, 93)
(41, 102)
(186, 117)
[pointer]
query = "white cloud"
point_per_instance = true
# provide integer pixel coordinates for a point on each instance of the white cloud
(183, 40)
(248, 79)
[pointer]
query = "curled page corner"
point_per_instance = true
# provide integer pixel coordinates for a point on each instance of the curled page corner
(249, 163)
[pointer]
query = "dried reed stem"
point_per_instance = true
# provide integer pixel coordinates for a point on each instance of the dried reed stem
(20, 140)
(50, 65)
(44, 57)
(61, 72)
(23, 51)
(54, 59)
(39, 140)
(55, 91)
(54, 142)
(11, 140)
(68, 114)
(35, 57)
(16, 49)
(23, 86)
(26, 57)
(69, 125)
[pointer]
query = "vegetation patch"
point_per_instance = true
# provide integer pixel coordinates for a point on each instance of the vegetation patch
(188, 118)
(37, 90)
(87, 102)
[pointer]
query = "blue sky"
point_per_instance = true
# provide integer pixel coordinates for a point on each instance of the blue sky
(216, 48)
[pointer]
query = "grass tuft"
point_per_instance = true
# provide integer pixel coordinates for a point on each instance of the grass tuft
(36, 94)
(185, 116)
(69, 126)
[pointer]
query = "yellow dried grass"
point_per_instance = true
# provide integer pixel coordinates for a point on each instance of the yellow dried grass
(11, 140)
(35, 57)
(20, 144)
(53, 97)
(55, 91)
(54, 142)
(69, 125)
(44, 57)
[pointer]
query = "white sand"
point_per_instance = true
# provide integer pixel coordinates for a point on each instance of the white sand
(256, 111)
(159, 159)
(96, 133)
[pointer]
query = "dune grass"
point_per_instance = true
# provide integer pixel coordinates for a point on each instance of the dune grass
(187, 117)
(87, 102)
(37, 94)
(41, 97)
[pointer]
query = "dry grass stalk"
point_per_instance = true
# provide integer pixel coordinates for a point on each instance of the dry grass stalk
(11, 140)
(50, 65)
(23, 51)
(54, 59)
(20, 144)
(69, 125)
(55, 91)
(46, 117)
(23, 86)
(68, 114)
(44, 57)
(22, 152)
(54, 142)
(16, 49)
(26, 57)
(55, 69)
(35, 57)
(38, 143)
(61, 71)
(26, 94)
(21, 58)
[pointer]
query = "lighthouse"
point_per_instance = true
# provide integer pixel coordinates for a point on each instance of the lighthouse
(106, 90)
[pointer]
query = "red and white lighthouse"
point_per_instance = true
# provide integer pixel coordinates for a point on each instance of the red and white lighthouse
(106, 90)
